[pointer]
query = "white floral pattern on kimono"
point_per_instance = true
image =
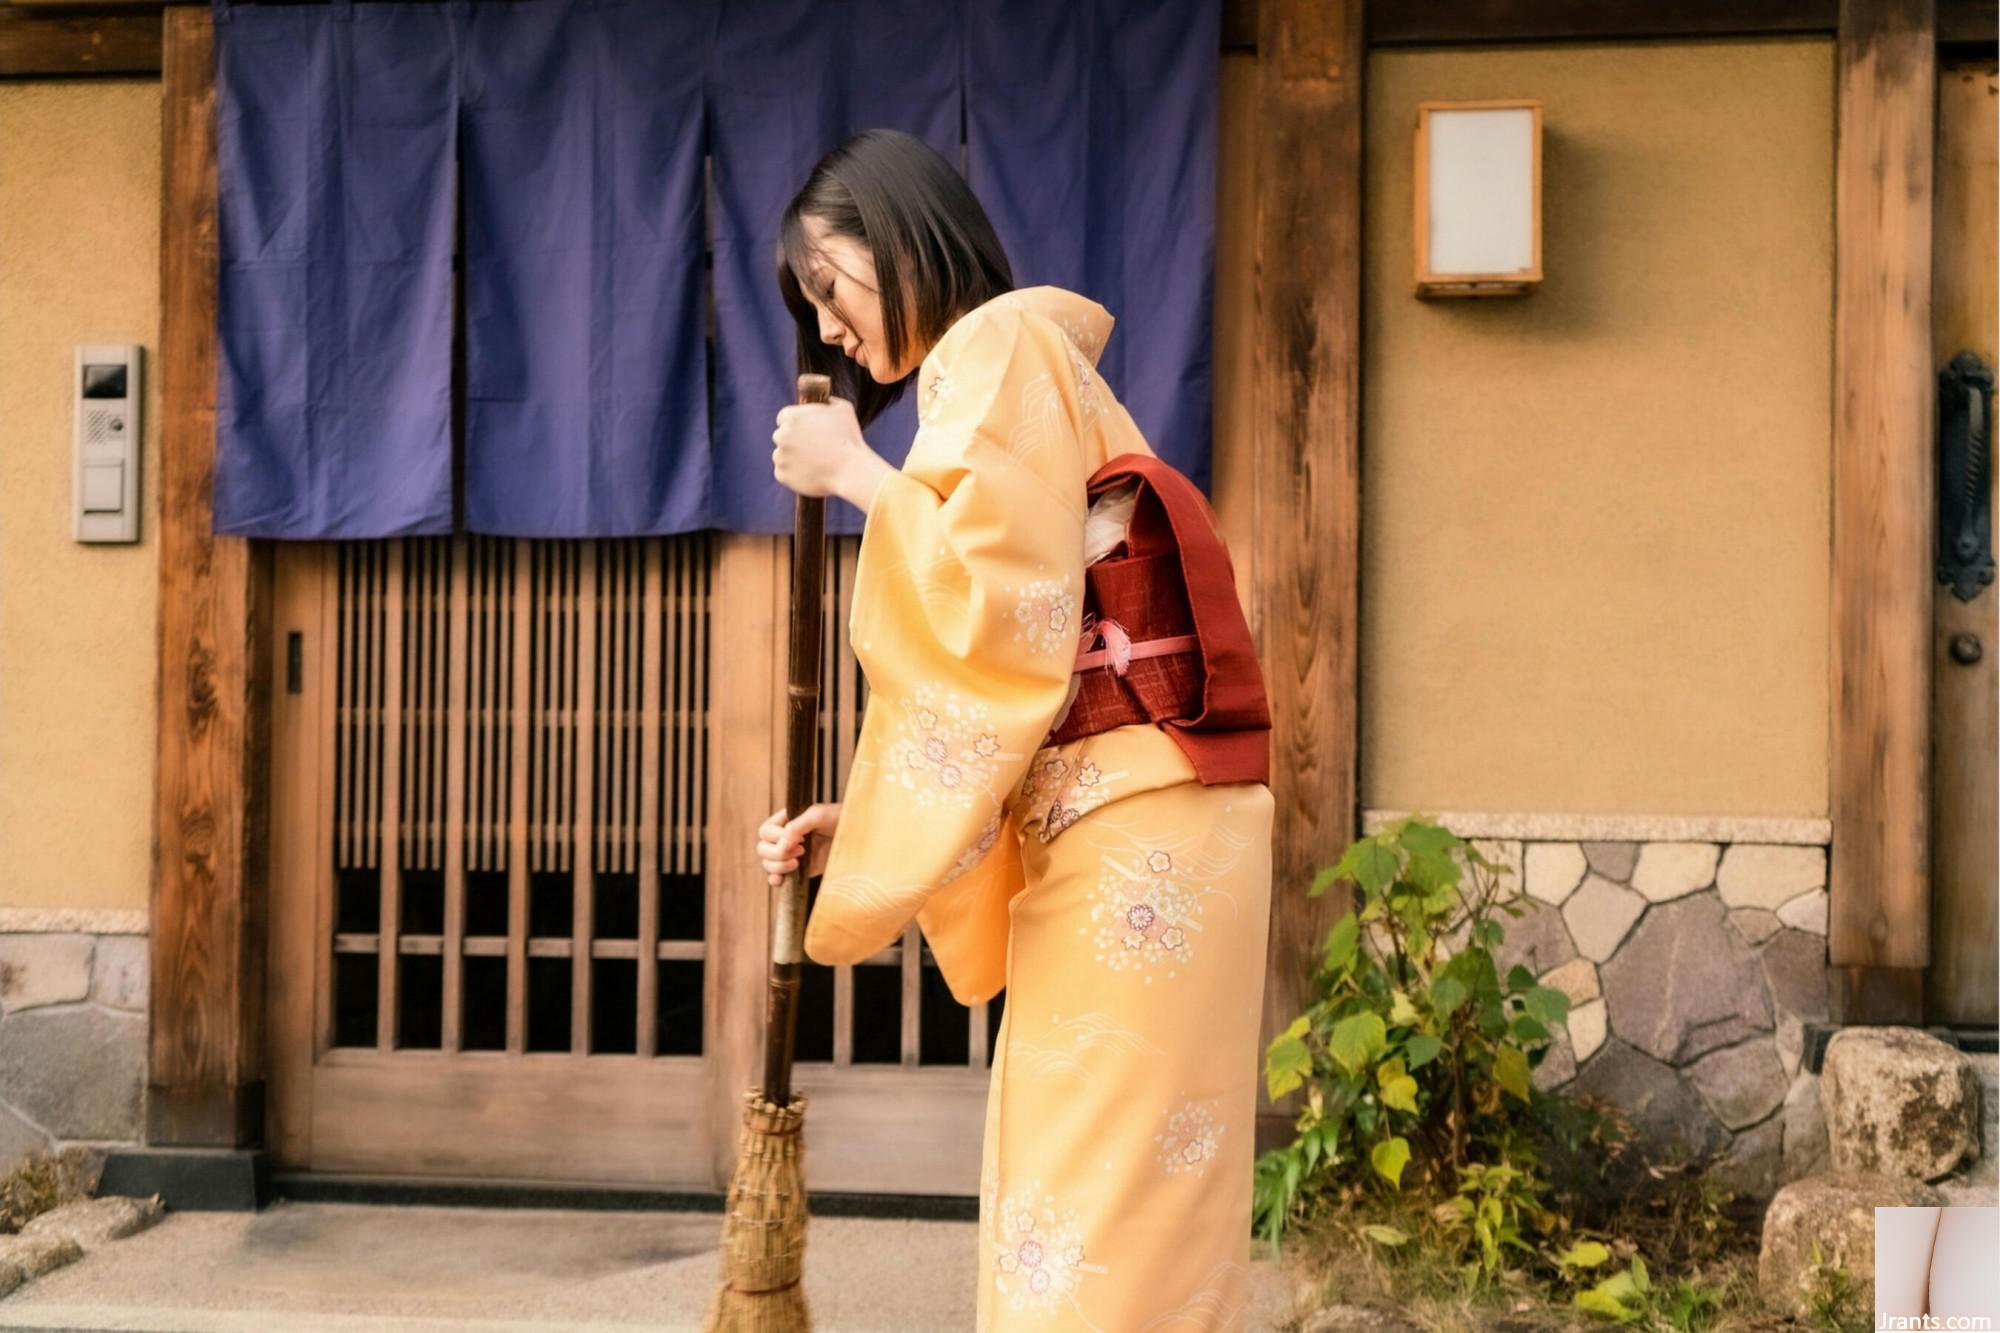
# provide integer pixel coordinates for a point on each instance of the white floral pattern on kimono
(1189, 1142)
(1039, 1253)
(1146, 917)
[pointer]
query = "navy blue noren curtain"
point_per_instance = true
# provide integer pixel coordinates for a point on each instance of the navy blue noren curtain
(576, 131)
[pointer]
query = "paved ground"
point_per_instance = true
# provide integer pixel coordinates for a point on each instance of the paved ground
(349, 1268)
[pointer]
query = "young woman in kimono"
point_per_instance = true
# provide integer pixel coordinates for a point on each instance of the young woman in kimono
(1120, 901)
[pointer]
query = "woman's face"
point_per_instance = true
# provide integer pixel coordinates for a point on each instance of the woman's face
(845, 276)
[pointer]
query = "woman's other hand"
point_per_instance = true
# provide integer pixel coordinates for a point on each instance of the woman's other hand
(818, 450)
(779, 841)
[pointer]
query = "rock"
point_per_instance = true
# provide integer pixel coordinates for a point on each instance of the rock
(1742, 1084)
(1558, 1065)
(1598, 914)
(1764, 876)
(37, 969)
(1795, 970)
(1613, 860)
(1806, 912)
(1537, 938)
(1586, 1029)
(1669, 870)
(1899, 1102)
(91, 1222)
(120, 971)
(36, 1255)
(1753, 1164)
(18, 1138)
(1805, 1129)
(1837, 1211)
(1685, 984)
(1665, 1110)
(11, 1277)
(1755, 924)
(77, 1072)
(1577, 979)
(1553, 870)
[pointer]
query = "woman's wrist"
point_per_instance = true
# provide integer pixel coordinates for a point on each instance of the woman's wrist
(863, 477)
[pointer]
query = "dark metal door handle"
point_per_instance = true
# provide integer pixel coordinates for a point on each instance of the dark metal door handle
(1964, 472)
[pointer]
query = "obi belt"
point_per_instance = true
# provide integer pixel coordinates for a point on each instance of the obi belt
(1164, 639)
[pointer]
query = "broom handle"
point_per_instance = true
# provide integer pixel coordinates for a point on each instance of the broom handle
(788, 917)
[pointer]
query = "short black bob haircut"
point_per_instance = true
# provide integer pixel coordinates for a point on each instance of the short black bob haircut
(933, 244)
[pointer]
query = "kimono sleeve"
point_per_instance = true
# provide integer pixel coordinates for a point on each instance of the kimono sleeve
(965, 595)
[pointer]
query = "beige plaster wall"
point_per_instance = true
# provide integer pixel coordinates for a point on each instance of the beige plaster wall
(79, 262)
(1595, 519)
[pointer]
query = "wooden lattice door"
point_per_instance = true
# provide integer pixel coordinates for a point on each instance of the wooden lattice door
(503, 944)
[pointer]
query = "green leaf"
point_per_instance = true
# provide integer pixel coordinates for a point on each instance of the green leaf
(1431, 871)
(1398, 1088)
(1389, 1157)
(1286, 1065)
(1448, 993)
(1369, 864)
(1356, 1040)
(1519, 978)
(1325, 879)
(1510, 1071)
(1549, 1006)
(1596, 1302)
(1421, 1049)
(1422, 836)
(1584, 1254)
(1341, 941)
(1375, 1231)
(1527, 1029)
(1401, 1012)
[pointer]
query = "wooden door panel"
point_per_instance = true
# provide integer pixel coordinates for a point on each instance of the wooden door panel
(494, 904)
(1962, 984)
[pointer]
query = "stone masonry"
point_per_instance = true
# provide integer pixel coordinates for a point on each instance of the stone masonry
(72, 1041)
(1692, 969)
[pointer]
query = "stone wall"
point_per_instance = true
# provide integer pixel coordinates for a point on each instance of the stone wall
(1692, 967)
(72, 1040)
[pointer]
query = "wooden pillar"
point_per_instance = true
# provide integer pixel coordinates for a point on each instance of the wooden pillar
(1305, 456)
(1879, 925)
(206, 1053)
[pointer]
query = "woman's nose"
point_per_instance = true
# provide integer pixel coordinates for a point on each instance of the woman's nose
(829, 329)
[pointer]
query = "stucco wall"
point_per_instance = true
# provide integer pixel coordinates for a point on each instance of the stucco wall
(1595, 518)
(79, 262)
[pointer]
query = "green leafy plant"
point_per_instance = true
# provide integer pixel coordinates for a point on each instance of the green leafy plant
(1833, 1299)
(1630, 1296)
(1415, 1050)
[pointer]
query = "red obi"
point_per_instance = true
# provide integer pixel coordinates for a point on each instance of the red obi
(1176, 649)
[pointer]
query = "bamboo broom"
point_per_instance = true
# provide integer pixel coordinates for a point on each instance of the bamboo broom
(764, 1220)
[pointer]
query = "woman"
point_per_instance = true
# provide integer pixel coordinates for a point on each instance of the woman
(1119, 898)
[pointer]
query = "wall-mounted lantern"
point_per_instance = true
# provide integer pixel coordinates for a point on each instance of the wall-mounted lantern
(1479, 197)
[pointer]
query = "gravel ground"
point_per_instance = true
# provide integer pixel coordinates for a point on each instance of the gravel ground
(343, 1268)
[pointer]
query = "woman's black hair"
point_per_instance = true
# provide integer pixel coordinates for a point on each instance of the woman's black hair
(936, 253)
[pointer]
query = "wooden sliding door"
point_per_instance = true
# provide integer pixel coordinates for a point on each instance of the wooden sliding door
(508, 786)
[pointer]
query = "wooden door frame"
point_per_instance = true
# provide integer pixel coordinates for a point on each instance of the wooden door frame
(206, 1070)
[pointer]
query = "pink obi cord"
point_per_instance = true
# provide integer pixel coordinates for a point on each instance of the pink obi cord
(1119, 650)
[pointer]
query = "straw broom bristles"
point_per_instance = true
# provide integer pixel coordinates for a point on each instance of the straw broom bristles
(764, 1229)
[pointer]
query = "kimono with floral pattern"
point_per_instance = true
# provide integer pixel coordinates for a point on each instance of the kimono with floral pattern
(1121, 904)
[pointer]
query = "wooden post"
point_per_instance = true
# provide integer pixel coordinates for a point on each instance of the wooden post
(1878, 930)
(1305, 450)
(206, 1053)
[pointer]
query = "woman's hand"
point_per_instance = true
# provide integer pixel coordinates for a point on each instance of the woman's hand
(779, 842)
(819, 451)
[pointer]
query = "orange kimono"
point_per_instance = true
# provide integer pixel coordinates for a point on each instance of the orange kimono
(1122, 904)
